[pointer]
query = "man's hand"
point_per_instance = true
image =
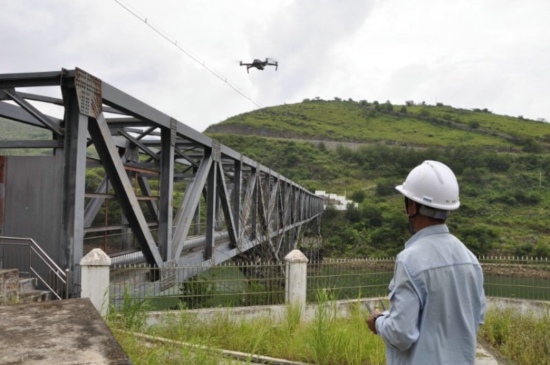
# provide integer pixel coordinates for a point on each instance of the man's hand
(372, 319)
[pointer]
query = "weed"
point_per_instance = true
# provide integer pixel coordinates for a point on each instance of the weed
(132, 313)
(521, 337)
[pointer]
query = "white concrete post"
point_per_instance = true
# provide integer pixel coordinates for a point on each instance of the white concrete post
(95, 279)
(296, 275)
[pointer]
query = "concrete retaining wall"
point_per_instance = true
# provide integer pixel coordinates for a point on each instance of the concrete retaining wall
(343, 307)
(276, 312)
(537, 307)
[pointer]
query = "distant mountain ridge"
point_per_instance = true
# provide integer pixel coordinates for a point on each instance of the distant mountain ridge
(405, 125)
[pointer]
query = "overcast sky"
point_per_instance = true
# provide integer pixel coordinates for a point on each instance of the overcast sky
(492, 54)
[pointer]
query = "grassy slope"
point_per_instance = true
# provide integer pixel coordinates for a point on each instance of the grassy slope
(471, 142)
(419, 126)
(10, 130)
(15, 130)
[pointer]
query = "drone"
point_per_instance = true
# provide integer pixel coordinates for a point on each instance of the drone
(260, 65)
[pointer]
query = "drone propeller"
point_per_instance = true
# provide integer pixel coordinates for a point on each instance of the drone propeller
(273, 61)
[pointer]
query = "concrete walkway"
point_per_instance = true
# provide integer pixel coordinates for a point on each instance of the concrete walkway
(57, 332)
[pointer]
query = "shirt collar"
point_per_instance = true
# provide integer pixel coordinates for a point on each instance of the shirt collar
(435, 229)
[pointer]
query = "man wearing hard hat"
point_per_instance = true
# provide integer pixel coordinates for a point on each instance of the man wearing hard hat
(436, 296)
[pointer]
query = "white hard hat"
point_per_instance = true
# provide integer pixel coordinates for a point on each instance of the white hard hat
(432, 184)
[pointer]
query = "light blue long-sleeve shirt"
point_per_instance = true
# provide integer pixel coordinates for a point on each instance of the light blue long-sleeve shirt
(437, 302)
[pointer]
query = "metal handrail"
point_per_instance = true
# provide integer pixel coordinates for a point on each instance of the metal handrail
(53, 268)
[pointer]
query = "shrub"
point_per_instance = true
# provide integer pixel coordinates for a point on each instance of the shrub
(479, 238)
(358, 196)
(132, 313)
(542, 250)
(524, 250)
(424, 112)
(196, 292)
(530, 197)
(385, 187)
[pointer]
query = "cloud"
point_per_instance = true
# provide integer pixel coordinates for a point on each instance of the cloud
(301, 36)
(466, 53)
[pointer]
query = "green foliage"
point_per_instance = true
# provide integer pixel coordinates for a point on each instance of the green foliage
(500, 191)
(420, 125)
(358, 196)
(479, 238)
(385, 187)
(196, 292)
(132, 313)
(371, 214)
(541, 249)
(521, 337)
(474, 124)
(329, 338)
(11, 130)
(504, 175)
(321, 340)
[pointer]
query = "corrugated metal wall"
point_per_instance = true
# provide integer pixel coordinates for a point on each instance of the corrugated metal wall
(34, 199)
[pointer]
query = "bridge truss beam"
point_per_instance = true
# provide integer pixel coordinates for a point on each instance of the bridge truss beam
(149, 161)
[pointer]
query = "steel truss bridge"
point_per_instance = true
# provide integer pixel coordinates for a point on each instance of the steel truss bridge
(183, 197)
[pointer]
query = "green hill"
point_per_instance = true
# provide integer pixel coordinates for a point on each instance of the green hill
(364, 149)
(10, 130)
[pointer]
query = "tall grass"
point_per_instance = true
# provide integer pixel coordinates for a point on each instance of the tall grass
(330, 338)
(132, 313)
(523, 338)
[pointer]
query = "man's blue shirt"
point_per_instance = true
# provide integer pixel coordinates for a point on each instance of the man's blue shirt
(437, 302)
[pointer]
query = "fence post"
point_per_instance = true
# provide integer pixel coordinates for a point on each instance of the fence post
(296, 278)
(95, 279)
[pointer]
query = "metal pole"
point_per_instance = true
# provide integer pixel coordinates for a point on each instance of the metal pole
(30, 258)
(67, 283)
